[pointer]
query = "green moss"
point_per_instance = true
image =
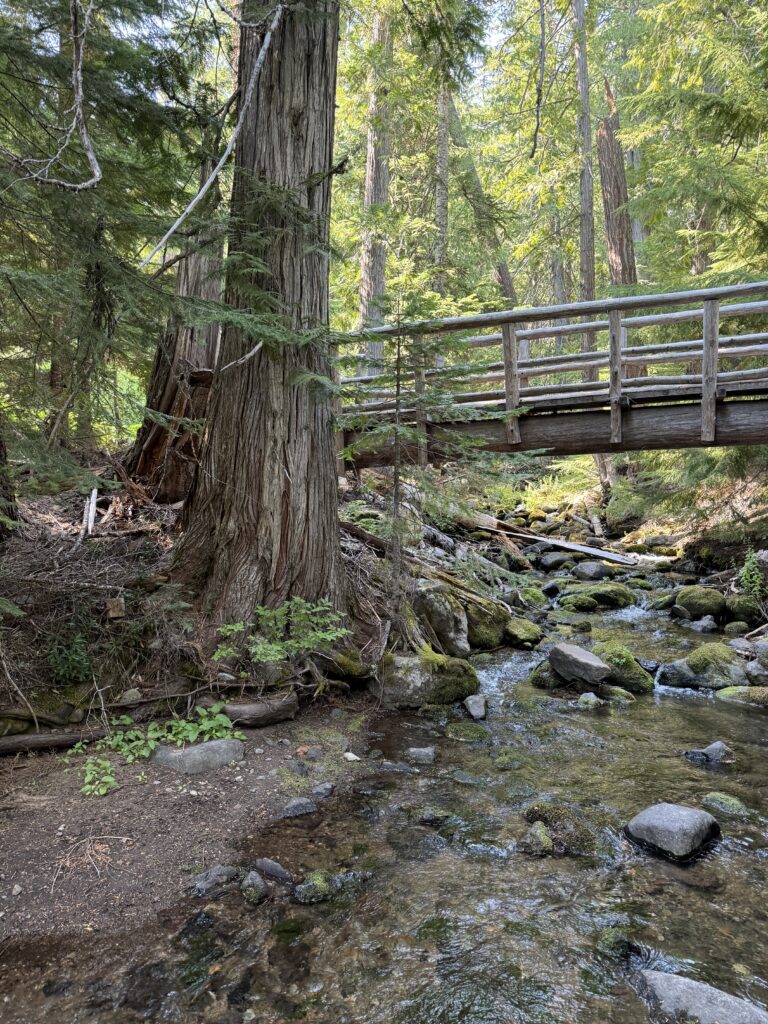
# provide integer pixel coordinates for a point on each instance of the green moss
(715, 656)
(543, 678)
(467, 732)
(639, 583)
(625, 510)
(579, 603)
(736, 628)
(538, 841)
(757, 695)
(625, 671)
(724, 803)
(663, 603)
(520, 632)
(616, 695)
(290, 929)
(350, 666)
(607, 595)
(485, 625)
(453, 678)
(507, 760)
(743, 608)
(569, 828)
(435, 929)
(13, 726)
(701, 601)
(534, 597)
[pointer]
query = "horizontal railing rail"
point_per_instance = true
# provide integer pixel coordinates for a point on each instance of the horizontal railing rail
(503, 384)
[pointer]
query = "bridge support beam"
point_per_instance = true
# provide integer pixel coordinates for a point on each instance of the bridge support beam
(648, 428)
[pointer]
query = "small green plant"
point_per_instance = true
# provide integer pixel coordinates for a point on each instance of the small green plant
(210, 724)
(69, 660)
(98, 777)
(294, 629)
(751, 577)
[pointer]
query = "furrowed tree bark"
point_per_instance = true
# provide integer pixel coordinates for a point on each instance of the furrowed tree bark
(613, 182)
(167, 446)
(8, 511)
(373, 258)
(260, 522)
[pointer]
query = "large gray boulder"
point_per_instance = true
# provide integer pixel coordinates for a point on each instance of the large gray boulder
(592, 571)
(673, 998)
(445, 614)
(578, 665)
(673, 830)
(410, 681)
(553, 560)
(204, 757)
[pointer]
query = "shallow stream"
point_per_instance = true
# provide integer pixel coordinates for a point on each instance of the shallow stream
(455, 925)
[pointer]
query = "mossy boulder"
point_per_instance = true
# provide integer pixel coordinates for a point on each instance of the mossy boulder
(607, 595)
(579, 603)
(538, 841)
(711, 656)
(700, 601)
(617, 695)
(544, 677)
(485, 625)
(443, 612)
(571, 831)
(712, 666)
(757, 695)
(349, 665)
(626, 673)
(736, 628)
(662, 604)
(742, 608)
(533, 597)
(639, 583)
(522, 633)
(467, 732)
(411, 681)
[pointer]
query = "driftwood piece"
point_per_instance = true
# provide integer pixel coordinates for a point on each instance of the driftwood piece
(24, 742)
(262, 712)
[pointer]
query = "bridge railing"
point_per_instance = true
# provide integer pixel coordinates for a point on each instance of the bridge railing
(614, 375)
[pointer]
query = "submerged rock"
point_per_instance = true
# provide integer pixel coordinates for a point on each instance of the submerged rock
(570, 829)
(204, 757)
(537, 841)
(468, 732)
(716, 753)
(592, 571)
(673, 830)
(254, 888)
(321, 885)
(674, 998)
(589, 701)
(576, 664)
(298, 807)
(724, 803)
(272, 869)
(705, 625)
(421, 755)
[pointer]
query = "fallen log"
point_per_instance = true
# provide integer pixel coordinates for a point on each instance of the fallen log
(26, 742)
(262, 712)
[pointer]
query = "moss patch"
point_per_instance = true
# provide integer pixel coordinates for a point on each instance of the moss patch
(625, 671)
(579, 603)
(468, 732)
(520, 632)
(607, 595)
(757, 695)
(453, 678)
(543, 678)
(701, 601)
(743, 609)
(710, 656)
(485, 625)
(534, 597)
(570, 830)
(724, 803)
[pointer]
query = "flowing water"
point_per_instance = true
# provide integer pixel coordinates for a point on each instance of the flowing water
(455, 924)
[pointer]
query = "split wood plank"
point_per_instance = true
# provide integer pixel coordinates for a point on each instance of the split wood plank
(511, 383)
(616, 338)
(709, 370)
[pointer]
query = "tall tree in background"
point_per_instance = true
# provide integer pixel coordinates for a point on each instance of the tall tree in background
(586, 174)
(441, 186)
(261, 523)
(373, 258)
(613, 185)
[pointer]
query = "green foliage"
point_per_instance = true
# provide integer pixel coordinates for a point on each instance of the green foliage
(751, 578)
(98, 777)
(281, 634)
(69, 660)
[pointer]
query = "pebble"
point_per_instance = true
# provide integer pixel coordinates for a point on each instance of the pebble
(421, 755)
(16, 890)
(349, 756)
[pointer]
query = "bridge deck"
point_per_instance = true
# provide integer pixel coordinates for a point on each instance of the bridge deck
(656, 393)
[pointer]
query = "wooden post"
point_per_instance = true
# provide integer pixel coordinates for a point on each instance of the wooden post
(511, 382)
(616, 337)
(709, 370)
(419, 386)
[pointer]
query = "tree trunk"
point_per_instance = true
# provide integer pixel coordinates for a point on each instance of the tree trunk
(639, 227)
(441, 189)
(586, 183)
(261, 523)
(559, 283)
(167, 447)
(374, 252)
(481, 207)
(613, 181)
(8, 512)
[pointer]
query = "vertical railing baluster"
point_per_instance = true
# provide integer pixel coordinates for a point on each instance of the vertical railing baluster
(616, 337)
(511, 383)
(709, 370)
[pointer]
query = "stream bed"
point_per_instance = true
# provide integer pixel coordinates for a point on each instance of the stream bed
(456, 925)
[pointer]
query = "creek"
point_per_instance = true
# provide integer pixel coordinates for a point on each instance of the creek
(456, 925)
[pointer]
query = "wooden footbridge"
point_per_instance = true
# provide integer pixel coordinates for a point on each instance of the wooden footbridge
(647, 387)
